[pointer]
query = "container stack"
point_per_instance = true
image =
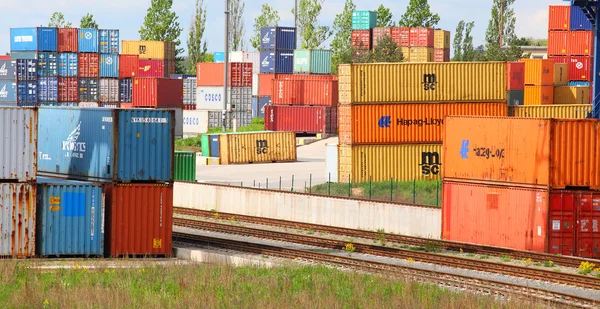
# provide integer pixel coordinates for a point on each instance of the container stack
(536, 191)
(363, 23)
(89, 68)
(109, 68)
(539, 81)
(8, 82)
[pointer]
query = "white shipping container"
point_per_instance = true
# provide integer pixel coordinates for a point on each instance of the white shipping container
(255, 84)
(18, 132)
(209, 98)
(195, 122)
(109, 90)
(242, 56)
(331, 162)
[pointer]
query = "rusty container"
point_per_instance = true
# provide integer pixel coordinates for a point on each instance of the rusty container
(17, 219)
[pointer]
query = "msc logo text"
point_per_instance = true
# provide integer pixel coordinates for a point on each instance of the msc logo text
(429, 82)
(430, 163)
(262, 146)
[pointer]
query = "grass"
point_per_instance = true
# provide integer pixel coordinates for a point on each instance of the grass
(202, 286)
(427, 192)
(257, 124)
(195, 143)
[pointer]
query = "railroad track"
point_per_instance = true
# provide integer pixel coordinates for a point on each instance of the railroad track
(426, 257)
(491, 287)
(566, 261)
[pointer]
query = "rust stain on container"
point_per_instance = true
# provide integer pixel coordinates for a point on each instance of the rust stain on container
(17, 219)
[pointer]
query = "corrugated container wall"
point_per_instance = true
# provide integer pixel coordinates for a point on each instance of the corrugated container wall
(157, 92)
(301, 119)
(128, 66)
(139, 219)
(274, 38)
(364, 20)
(571, 111)
(109, 41)
(8, 92)
(312, 61)
(68, 64)
(515, 73)
(88, 40)
(195, 123)
(68, 89)
(561, 74)
(27, 93)
(441, 39)
(109, 65)
(48, 89)
(88, 65)
(539, 72)
(68, 40)
(244, 148)
(559, 17)
(88, 90)
(47, 64)
(151, 68)
(209, 74)
(34, 39)
(18, 128)
(421, 37)
(185, 166)
(265, 84)
(70, 218)
(422, 82)
(578, 20)
(147, 50)
(420, 54)
(379, 33)
(17, 220)
(571, 95)
(125, 90)
(580, 68)
(378, 163)
(441, 55)
(558, 43)
(31, 55)
(361, 39)
(109, 90)
(536, 95)
(580, 43)
(27, 69)
(240, 74)
(311, 91)
(277, 62)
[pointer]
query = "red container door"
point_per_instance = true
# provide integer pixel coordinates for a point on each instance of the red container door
(286, 92)
(515, 73)
(88, 65)
(588, 232)
(68, 40)
(361, 39)
(68, 89)
(128, 66)
(405, 37)
(425, 37)
(562, 222)
(559, 17)
(240, 74)
(558, 43)
(414, 37)
(579, 43)
(380, 33)
(579, 68)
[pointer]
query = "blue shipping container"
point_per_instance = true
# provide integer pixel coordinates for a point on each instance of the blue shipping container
(70, 218)
(125, 90)
(109, 65)
(103, 144)
(109, 41)
(8, 91)
(579, 84)
(47, 64)
(578, 20)
(67, 64)
(273, 38)
(364, 20)
(48, 89)
(26, 69)
(88, 40)
(62, 104)
(8, 70)
(261, 102)
(24, 55)
(213, 140)
(279, 62)
(88, 90)
(34, 39)
(27, 93)
(219, 57)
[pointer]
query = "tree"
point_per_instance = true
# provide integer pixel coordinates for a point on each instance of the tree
(269, 17)
(341, 45)
(58, 20)
(384, 17)
(458, 41)
(236, 25)
(88, 21)
(501, 28)
(463, 42)
(418, 14)
(386, 51)
(196, 48)
(160, 24)
(311, 34)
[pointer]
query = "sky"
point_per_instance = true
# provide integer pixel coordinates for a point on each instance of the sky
(128, 15)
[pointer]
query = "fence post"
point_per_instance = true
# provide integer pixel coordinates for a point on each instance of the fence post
(349, 186)
(279, 183)
(241, 184)
(370, 187)
(329, 185)
(437, 193)
(415, 191)
(254, 185)
(310, 185)
(267, 185)
(392, 189)
(292, 183)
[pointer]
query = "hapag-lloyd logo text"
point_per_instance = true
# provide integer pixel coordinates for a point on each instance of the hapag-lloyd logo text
(386, 121)
(73, 144)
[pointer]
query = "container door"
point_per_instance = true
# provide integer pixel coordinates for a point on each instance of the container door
(214, 145)
(562, 233)
(588, 221)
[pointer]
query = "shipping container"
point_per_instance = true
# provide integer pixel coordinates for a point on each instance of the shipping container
(310, 91)
(210, 98)
(258, 106)
(109, 65)
(312, 61)
(109, 90)
(17, 220)
(539, 72)
(421, 37)
(558, 43)
(578, 20)
(88, 90)
(157, 92)
(219, 57)
(515, 98)
(151, 68)
(47, 64)
(189, 93)
(68, 89)
(561, 74)
(379, 33)
(240, 74)
(257, 147)
(559, 17)
(107, 144)
(441, 55)
(571, 95)
(67, 65)
(422, 82)
(88, 65)
(31, 55)
(215, 119)
(408, 162)
(420, 54)
(265, 84)
(139, 219)
(128, 66)
(580, 43)
(110, 105)
(149, 50)
(578, 84)
(361, 39)
(240, 99)
(364, 20)
(254, 84)
(210, 74)
(185, 166)
(277, 62)
(401, 35)
(537, 95)
(248, 57)
(85, 104)
(441, 39)
(278, 38)
(195, 122)
(331, 162)
(70, 218)
(27, 69)
(572, 111)
(302, 119)
(27, 93)
(8, 91)
(18, 128)
(109, 41)
(88, 40)
(48, 89)
(34, 39)
(554, 152)
(8, 70)
(405, 123)
(515, 73)
(68, 40)
(580, 68)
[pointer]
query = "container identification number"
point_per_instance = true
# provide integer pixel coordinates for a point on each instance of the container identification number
(211, 97)
(489, 153)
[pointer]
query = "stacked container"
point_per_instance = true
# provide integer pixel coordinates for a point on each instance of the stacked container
(363, 23)
(8, 84)
(89, 67)
(189, 90)
(539, 81)
(156, 59)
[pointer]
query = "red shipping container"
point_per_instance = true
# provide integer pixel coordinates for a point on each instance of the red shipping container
(361, 39)
(558, 43)
(579, 43)
(301, 119)
(126, 105)
(171, 68)
(68, 89)
(559, 17)
(88, 65)
(265, 85)
(379, 33)
(139, 218)
(580, 68)
(4, 57)
(157, 92)
(128, 66)
(151, 68)
(240, 74)
(559, 59)
(441, 55)
(421, 36)
(305, 91)
(403, 36)
(68, 40)
(515, 76)
(187, 107)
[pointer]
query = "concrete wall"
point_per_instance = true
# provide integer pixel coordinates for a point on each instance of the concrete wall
(410, 220)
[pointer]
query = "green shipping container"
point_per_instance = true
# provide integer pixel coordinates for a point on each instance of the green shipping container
(364, 20)
(312, 61)
(205, 144)
(185, 166)
(515, 98)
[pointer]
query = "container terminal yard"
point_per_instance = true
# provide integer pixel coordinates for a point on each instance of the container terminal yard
(369, 163)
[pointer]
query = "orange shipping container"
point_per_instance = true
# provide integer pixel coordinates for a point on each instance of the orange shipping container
(539, 72)
(404, 123)
(559, 17)
(557, 43)
(561, 74)
(580, 43)
(558, 153)
(538, 95)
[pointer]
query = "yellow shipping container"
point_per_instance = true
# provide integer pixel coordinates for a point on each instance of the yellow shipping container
(421, 54)
(572, 111)
(405, 53)
(561, 74)
(538, 95)
(571, 95)
(156, 50)
(441, 39)
(422, 82)
(377, 163)
(257, 147)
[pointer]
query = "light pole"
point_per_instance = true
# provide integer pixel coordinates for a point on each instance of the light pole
(225, 67)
